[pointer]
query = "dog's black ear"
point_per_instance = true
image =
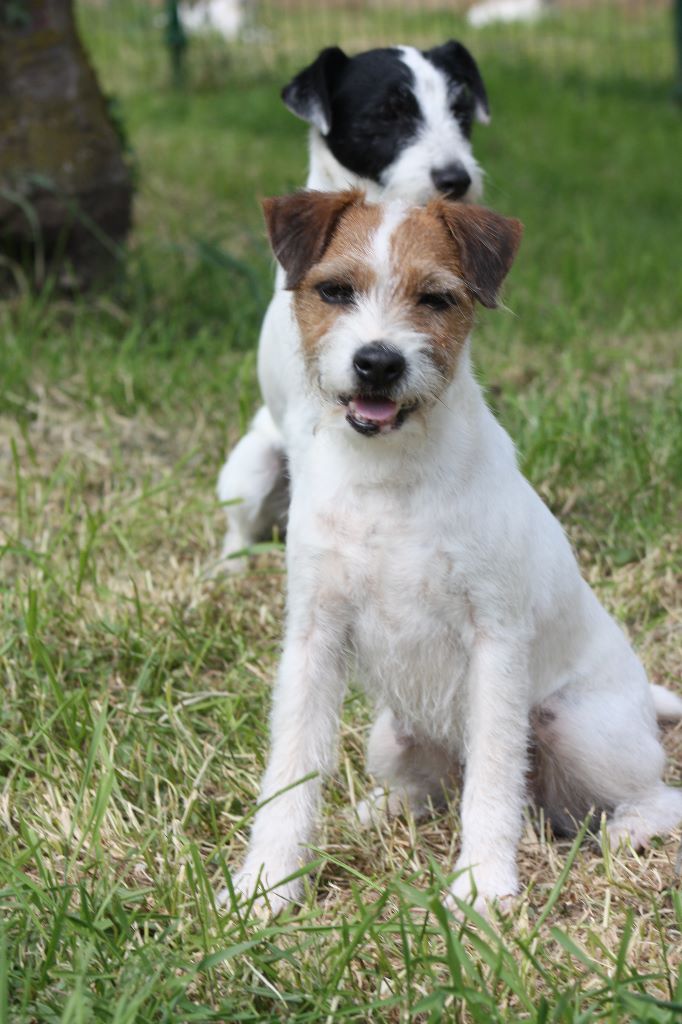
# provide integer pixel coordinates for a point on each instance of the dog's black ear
(301, 225)
(486, 245)
(308, 95)
(457, 62)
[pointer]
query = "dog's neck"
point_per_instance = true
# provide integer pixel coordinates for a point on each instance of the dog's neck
(326, 174)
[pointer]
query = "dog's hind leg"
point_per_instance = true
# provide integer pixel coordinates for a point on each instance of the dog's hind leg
(414, 773)
(600, 750)
(254, 486)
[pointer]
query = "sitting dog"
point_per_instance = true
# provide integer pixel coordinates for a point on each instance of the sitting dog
(422, 563)
(394, 122)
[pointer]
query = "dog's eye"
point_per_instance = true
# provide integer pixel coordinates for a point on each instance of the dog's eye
(335, 293)
(438, 301)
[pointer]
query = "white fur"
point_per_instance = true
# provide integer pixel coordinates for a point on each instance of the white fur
(280, 372)
(422, 563)
(507, 11)
(225, 17)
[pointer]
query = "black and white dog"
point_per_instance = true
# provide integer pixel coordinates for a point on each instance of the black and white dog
(395, 123)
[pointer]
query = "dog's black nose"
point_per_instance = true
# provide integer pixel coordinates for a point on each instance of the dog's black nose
(378, 365)
(453, 180)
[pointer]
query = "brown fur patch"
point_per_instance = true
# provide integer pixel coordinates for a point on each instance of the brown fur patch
(487, 244)
(426, 261)
(301, 226)
(346, 260)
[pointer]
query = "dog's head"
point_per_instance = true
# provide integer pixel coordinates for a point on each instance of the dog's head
(398, 119)
(384, 294)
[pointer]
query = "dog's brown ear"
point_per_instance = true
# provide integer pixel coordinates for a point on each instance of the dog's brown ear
(301, 225)
(487, 244)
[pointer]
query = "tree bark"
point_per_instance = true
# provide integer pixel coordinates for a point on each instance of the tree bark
(65, 186)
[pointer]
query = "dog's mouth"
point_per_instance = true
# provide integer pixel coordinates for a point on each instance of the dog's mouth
(375, 414)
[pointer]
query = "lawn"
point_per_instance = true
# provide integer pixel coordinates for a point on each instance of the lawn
(136, 689)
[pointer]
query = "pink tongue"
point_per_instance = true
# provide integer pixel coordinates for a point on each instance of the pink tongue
(379, 410)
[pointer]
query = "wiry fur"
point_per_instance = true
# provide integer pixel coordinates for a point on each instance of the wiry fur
(423, 563)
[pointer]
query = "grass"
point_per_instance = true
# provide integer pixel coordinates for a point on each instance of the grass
(136, 691)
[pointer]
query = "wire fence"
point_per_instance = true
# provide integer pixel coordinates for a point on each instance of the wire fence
(200, 43)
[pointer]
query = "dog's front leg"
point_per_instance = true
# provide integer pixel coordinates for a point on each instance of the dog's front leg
(304, 728)
(495, 772)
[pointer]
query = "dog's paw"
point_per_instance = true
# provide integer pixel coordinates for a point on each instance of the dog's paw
(229, 564)
(384, 803)
(629, 832)
(223, 567)
(482, 886)
(233, 558)
(264, 887)
(379, 804)
(634, 824)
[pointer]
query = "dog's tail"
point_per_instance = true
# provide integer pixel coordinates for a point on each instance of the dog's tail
(667, 704)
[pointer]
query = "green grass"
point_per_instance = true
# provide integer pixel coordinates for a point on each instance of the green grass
(136, 691)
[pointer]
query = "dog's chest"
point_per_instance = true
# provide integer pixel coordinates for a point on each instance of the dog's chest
(404, 582)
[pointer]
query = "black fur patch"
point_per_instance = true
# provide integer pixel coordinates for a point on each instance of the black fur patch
(374, 113)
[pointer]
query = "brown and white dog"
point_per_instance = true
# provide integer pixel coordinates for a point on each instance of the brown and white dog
(422, 563)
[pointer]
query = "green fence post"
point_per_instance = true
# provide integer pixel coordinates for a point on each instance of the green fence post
(176, 40)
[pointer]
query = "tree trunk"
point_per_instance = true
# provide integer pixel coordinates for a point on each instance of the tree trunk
(65, 187)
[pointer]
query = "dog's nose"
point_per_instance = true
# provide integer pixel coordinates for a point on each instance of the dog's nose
(378, 365)
(453, 180)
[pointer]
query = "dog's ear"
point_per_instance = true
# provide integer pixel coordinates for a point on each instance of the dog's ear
(458, 64)
(308, 95)
(301, 225)
(487, 244)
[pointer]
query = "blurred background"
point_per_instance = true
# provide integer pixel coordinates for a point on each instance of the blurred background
(595, 37)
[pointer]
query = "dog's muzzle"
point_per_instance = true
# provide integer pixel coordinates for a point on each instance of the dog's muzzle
(378, 368)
